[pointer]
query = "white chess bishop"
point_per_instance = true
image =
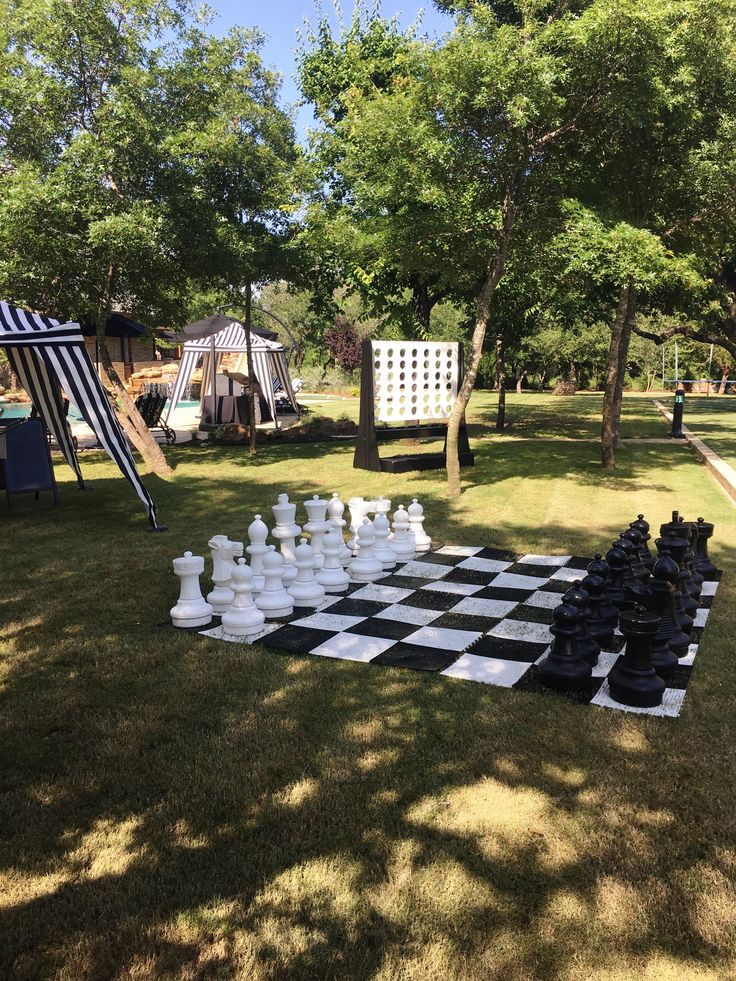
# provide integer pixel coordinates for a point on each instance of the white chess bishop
(317, 525)
(332, 575)
(191, 610)
(243, 619)
(274, 600)
(223, 552)
(365, 567)
(402, 544)
(305, 590)
(422, 540)
(257, 535)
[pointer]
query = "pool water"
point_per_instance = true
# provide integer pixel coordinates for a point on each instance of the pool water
(13, 410)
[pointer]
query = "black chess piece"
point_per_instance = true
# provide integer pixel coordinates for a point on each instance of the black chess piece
(588, 647)
(702, 560)
(668, 526)
(617, 569)
(684, 620)
(678, 547)
(606, 610)
(670, 643)
(642, 526)
(630, 553)
(695, 579)
(564, 668)
(633, 681)
(600, 626)
(638, 568)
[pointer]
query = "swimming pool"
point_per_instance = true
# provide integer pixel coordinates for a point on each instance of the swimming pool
(20, 410)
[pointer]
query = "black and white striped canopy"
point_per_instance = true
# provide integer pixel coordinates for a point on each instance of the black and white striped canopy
(47, 357)
(269, 362)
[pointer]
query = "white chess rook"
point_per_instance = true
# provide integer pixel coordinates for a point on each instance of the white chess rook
(257, 535)
(332, 575)
(402, 544)
(305, 590)
(223, 552)
(317, 525)
(274, 601)
(243, 619)
(422, 540)
(285, 532)
(365, 567)
(383, 551)
(191, 610)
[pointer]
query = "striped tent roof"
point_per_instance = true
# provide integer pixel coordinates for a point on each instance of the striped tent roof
(232, 339)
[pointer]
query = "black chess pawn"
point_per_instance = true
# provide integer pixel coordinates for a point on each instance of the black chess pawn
(678, 546)
(702, 560)
(664, 546)
(633, 681)
(638, 568)
(670, 642)
(588, 647)
(564, 668)
(617, 569)
(642, 526)
(695, 579)
(600, 627)
(628, 549)
(606, 610)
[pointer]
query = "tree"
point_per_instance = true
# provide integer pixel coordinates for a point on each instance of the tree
(139, 157)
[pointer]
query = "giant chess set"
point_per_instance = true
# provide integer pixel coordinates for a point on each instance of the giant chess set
(620, 631)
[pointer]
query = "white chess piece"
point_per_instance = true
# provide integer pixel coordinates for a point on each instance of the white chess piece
(257, 535)
(317, 525)
(382, 505)
(305, 590)
(285, 532)
(223, 551)
(191, 609)
(359, 509)
(422, 541)
(402, 544)
(365, 567)
(383, 551)
(332, 575)
(243, 619)
(274, 600)
(337, 525)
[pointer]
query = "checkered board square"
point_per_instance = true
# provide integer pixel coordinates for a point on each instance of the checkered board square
(472, 613)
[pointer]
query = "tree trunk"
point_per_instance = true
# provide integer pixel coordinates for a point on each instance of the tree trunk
(609, 396)
(542, 380)
(129, 417)
(724, 381)
(520, 381)
(251, 373)
(623, 356)
(501, 382)
(494, 272)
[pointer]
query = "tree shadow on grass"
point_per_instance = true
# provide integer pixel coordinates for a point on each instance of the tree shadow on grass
(177, 807)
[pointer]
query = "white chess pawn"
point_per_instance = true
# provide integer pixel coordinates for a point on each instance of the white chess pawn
(243, 619)
(365, 567)
(422, 541)
(332, 575)
(359, 509)
(285, 532)
(402, 544)
(257, 535)
(317, 525)
(305, 590)
(223, 551)
(274, 600)
(191, 610)
(383, 551)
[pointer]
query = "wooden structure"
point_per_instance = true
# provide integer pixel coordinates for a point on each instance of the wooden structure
(409, 387)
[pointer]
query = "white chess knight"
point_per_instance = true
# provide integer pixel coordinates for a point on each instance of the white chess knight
(285, 532)
(257, 535)
(383, 551)
(402, 544)
(274, 600)
(422, 540)
(243, 619)
(332, 575)
(223, 552)
(365, 567)
(317, 525)
(305, 590)
(191, 610)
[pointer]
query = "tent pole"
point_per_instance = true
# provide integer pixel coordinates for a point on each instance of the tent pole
(213, 376)
(251, 372)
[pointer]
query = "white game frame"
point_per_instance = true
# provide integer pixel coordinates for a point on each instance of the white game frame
(415, 380)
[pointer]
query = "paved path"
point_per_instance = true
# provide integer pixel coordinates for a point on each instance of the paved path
(723, 472)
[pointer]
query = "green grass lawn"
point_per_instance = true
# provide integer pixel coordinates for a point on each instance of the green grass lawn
(173, 807)
(713, 418)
